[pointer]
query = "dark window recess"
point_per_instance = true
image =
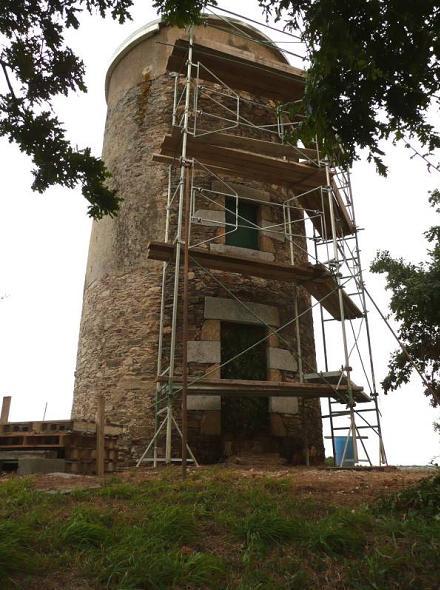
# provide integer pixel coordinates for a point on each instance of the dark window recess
(244, 417)
(246, 235)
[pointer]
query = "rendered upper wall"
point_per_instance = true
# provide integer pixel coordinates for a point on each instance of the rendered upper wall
(147, 50)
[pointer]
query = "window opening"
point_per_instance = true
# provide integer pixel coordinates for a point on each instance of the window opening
(246, 234)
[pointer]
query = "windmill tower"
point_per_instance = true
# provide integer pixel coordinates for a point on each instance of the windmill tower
(203, 286)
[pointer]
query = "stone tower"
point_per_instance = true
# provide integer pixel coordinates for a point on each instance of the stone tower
(118, 342)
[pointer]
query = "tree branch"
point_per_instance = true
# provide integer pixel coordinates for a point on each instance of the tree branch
(8, 81)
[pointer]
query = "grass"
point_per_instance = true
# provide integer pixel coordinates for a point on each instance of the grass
(216, 531)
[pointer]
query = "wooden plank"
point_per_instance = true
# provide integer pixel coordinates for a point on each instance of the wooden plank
(227, 262)
(31, 440)
(36, 446)
(269, 148)
(56, 426)
(334, 377)
(6, 406)
(315, 278)
(46, 427)
(266, 161)
(100, 436)
(238, 388)
(326, 291)
(240, 70)
(36, 435)
(257, 165)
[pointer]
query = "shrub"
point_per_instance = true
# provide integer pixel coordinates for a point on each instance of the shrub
(421, 500)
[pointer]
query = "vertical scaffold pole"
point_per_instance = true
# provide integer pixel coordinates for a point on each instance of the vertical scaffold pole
(347, 369)
(382, 454)
(324, 346)
(183, 171)
(187, 199)
(298, 340)
(162, 318)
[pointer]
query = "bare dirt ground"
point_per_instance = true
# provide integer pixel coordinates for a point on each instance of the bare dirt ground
(58, 482)
(339, 486)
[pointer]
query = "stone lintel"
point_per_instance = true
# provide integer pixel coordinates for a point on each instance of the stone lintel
(278, 358)
(248, 253)
(228, 310)
(204, 402)
(284, 405)
(204, 351)
(243, 191)
(209, 217)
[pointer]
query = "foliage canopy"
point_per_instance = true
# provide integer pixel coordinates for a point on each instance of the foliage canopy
(37, 66)
(415, 303)
(374, 71)
(374, 68)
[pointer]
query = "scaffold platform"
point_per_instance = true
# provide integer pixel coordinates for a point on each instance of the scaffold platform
(240, 70)
(237, 387)
(315, 278)
(264, 161)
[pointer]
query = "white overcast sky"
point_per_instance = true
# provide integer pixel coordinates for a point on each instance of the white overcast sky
(44, 242)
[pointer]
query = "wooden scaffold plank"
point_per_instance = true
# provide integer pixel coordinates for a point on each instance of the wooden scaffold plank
(315, 278)
(238, 388)
(240, 70)
(266, 161)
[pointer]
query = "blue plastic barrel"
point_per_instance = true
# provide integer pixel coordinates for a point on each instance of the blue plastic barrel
(340, 442)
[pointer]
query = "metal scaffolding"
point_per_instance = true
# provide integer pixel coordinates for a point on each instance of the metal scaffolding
(201, 142)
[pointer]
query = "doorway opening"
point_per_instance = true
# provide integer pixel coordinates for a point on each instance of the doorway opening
(244, 418)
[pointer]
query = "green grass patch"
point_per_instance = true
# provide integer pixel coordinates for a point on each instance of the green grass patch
(344, 533)
(146, 565)
(268, 527)
(80, 532)
(217, 530)
(16, 553)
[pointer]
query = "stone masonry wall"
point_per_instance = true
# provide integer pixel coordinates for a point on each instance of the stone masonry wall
(117, 352)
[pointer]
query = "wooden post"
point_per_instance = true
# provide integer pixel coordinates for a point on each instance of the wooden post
(6, 406)
(100, 436)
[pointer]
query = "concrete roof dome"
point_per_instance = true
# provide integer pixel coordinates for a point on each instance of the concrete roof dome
(153, 27)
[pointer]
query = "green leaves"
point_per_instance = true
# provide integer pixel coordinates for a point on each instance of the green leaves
(182, 12)
(37, 66)
(374, 71)
(415, 303)
(56, 162)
